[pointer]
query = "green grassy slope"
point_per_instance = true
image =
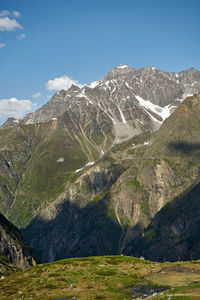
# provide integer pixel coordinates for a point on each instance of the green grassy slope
(108, 277)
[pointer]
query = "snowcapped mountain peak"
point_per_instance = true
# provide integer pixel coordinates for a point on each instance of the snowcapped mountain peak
(122, 66)
(94, 84)
(119, 71)
(124, 96)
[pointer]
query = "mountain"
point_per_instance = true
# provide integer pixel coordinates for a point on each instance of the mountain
(13, 246)
(107, 208)
(86, 173)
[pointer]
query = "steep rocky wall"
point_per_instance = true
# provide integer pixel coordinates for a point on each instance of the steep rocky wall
(13, 246)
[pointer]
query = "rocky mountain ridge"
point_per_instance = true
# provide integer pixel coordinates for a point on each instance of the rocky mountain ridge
(133, 100)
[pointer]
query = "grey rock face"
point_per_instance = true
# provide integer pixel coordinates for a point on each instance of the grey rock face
(174, 232)
(11, 122)
(13, 246)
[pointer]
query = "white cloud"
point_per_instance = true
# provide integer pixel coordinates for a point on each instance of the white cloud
(4, 13)
(7, 24)
(16, 14)
(59, 83)
(2, 45)
(21, 36)
(36, 95)
(15, 108)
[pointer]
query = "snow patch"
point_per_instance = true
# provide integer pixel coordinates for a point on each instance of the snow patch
(78, 170)
(93, 84)
(107, 83)
(194, 83)
(29, 121)
(113, 90)
(163, 112)
(91, 163)
(139, 121)
(60, 159)
(16, 121)
(122, 116)
(122, 67)
(185, 95)
(83, 95)
(111, 118)
(128, 86)
(53, 119)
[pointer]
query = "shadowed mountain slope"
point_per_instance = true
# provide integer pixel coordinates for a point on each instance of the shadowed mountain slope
(173, 234)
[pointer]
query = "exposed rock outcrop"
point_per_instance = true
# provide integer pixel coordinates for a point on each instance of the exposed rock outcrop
(14, 247)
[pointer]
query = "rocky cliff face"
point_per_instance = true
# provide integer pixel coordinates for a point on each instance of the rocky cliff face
(173, 234)
(13, 246)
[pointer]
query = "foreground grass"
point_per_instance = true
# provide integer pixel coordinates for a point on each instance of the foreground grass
(108, 277)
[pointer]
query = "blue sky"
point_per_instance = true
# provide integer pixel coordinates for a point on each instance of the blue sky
(42, 40)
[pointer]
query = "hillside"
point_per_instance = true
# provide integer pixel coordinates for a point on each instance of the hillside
(108, 277)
